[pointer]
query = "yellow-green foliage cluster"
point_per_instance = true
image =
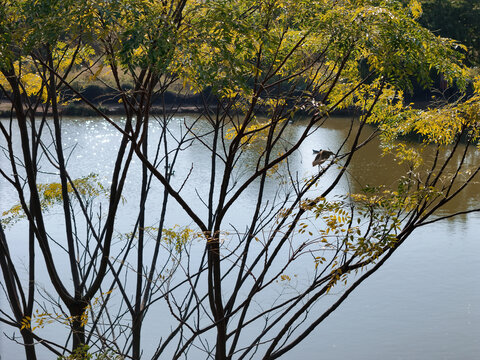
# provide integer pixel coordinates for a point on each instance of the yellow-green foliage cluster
(41, 318)
(178, 236)
(253, 133)
(363, 225)
(87, 188)
(442, 125)
(34, 82)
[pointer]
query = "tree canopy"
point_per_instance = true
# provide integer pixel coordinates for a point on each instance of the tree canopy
(456, 19)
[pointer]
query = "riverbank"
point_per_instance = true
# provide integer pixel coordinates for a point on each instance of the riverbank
(171, 103)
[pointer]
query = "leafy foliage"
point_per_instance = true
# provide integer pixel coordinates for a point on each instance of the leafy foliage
(456, 19)
(86, 188)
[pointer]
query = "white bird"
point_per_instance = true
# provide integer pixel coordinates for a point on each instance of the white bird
(322, 156)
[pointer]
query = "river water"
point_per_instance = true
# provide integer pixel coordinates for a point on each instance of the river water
(423, 304)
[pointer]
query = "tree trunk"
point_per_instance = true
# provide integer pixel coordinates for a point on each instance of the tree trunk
(136, 336)
(78, 330)
(216, 298)
(28, 345)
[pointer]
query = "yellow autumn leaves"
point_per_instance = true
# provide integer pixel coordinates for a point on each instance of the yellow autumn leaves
(41, 318)
(50, 194)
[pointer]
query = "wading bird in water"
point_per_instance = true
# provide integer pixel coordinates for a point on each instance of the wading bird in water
(322, 156)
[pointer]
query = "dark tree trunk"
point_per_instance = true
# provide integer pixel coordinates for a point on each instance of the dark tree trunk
(28, 345)
(78, 330)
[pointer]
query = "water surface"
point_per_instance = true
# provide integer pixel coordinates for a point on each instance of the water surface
(423, 304)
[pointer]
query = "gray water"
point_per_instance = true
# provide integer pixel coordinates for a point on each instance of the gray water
(423, 304)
